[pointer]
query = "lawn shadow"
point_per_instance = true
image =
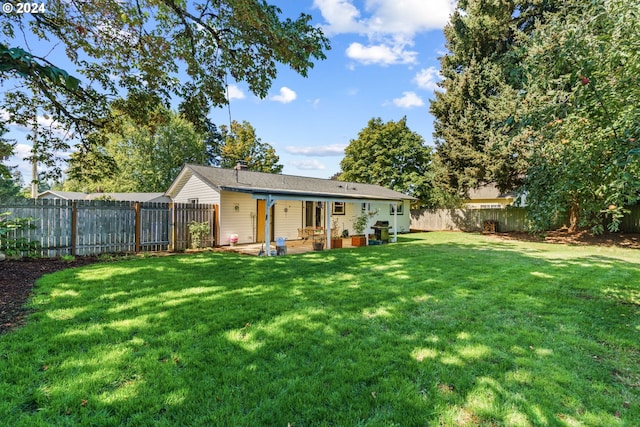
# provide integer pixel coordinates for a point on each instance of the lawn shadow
(450, 333)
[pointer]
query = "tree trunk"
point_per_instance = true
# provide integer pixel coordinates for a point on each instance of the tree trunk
(574, 217)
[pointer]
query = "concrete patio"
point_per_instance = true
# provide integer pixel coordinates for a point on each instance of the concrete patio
(293, 247)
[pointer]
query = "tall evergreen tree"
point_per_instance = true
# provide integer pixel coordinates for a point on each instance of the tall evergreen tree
(481, 85)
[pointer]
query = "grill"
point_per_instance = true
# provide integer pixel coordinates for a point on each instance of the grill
(381, 230)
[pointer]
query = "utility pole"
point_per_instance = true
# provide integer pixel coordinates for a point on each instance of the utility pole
(34, 161)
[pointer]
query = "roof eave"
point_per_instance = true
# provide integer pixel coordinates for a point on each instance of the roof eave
(311, 194)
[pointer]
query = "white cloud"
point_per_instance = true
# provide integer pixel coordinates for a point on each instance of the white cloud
(381, 54)
(286, 95)
(21, 151)
(409, 16)
(384, 16)
(389, 25)
(234, 92)
(325, 150)
(308, 165)
(428, 78)
(341, 16)
(408, 100)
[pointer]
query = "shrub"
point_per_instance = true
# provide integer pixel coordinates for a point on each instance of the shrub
(10, 243)
(198, 231)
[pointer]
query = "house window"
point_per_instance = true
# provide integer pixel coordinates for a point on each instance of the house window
(365, 207)
(392, 208)
(194, 201)
(338, 208)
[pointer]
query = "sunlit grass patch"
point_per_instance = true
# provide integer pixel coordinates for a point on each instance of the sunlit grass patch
(441, 329)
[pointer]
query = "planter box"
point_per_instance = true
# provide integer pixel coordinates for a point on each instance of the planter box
(336, 243)
(358, 240)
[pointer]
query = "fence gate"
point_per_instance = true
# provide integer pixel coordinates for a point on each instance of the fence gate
(185, 213)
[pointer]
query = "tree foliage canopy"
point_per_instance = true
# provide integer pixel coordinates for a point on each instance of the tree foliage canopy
(138, 158)
(392, 155)
(543, 97)
(240, 144)
(169, 48)
(582, 114)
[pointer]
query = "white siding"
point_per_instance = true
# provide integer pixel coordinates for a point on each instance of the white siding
(353, 210)
(241, 221)
(288, 218)
(195, 188)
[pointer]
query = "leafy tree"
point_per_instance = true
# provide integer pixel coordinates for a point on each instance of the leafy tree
(242, 145)
(545, 99)
(138, 158)
(194, 108)
(582, 115)
(392, 155)
(131, 46)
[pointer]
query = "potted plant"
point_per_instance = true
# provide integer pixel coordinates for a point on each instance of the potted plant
(336, 240)
(359, 224)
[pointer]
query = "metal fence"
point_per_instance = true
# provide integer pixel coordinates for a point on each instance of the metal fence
(507, 220)
(91, 227)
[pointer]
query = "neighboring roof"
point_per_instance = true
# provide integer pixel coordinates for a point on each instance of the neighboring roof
(284, 185)
(65, 195)
(489, 191)
(122, 197)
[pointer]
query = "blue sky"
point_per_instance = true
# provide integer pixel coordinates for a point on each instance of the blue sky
(383, 63)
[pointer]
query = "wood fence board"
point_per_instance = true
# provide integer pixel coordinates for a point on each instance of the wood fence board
(92, 227)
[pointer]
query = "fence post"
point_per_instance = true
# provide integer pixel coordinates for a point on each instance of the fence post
(138, 226)
(74, 227)
(216, 225)
(172, 227)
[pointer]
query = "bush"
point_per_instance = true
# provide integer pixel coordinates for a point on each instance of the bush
(198, 232)
(10, 243)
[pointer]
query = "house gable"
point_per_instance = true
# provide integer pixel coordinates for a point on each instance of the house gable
(195, 190)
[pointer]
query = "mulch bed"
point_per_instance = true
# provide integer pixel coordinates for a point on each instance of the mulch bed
(580, 238)
(18, 276)
(16, 280)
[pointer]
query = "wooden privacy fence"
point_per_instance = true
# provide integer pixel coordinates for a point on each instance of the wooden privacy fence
(508, 219)
(91, 227)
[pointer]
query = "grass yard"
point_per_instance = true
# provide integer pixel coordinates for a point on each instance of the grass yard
(441, 329)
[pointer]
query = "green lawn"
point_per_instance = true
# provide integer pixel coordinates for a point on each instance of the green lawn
(441, 329)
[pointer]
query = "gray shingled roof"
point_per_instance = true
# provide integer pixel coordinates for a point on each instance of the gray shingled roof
(259, 182)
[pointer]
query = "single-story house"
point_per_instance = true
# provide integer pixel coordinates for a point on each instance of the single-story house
(248, 201)
(488, 196)
(120, 197)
